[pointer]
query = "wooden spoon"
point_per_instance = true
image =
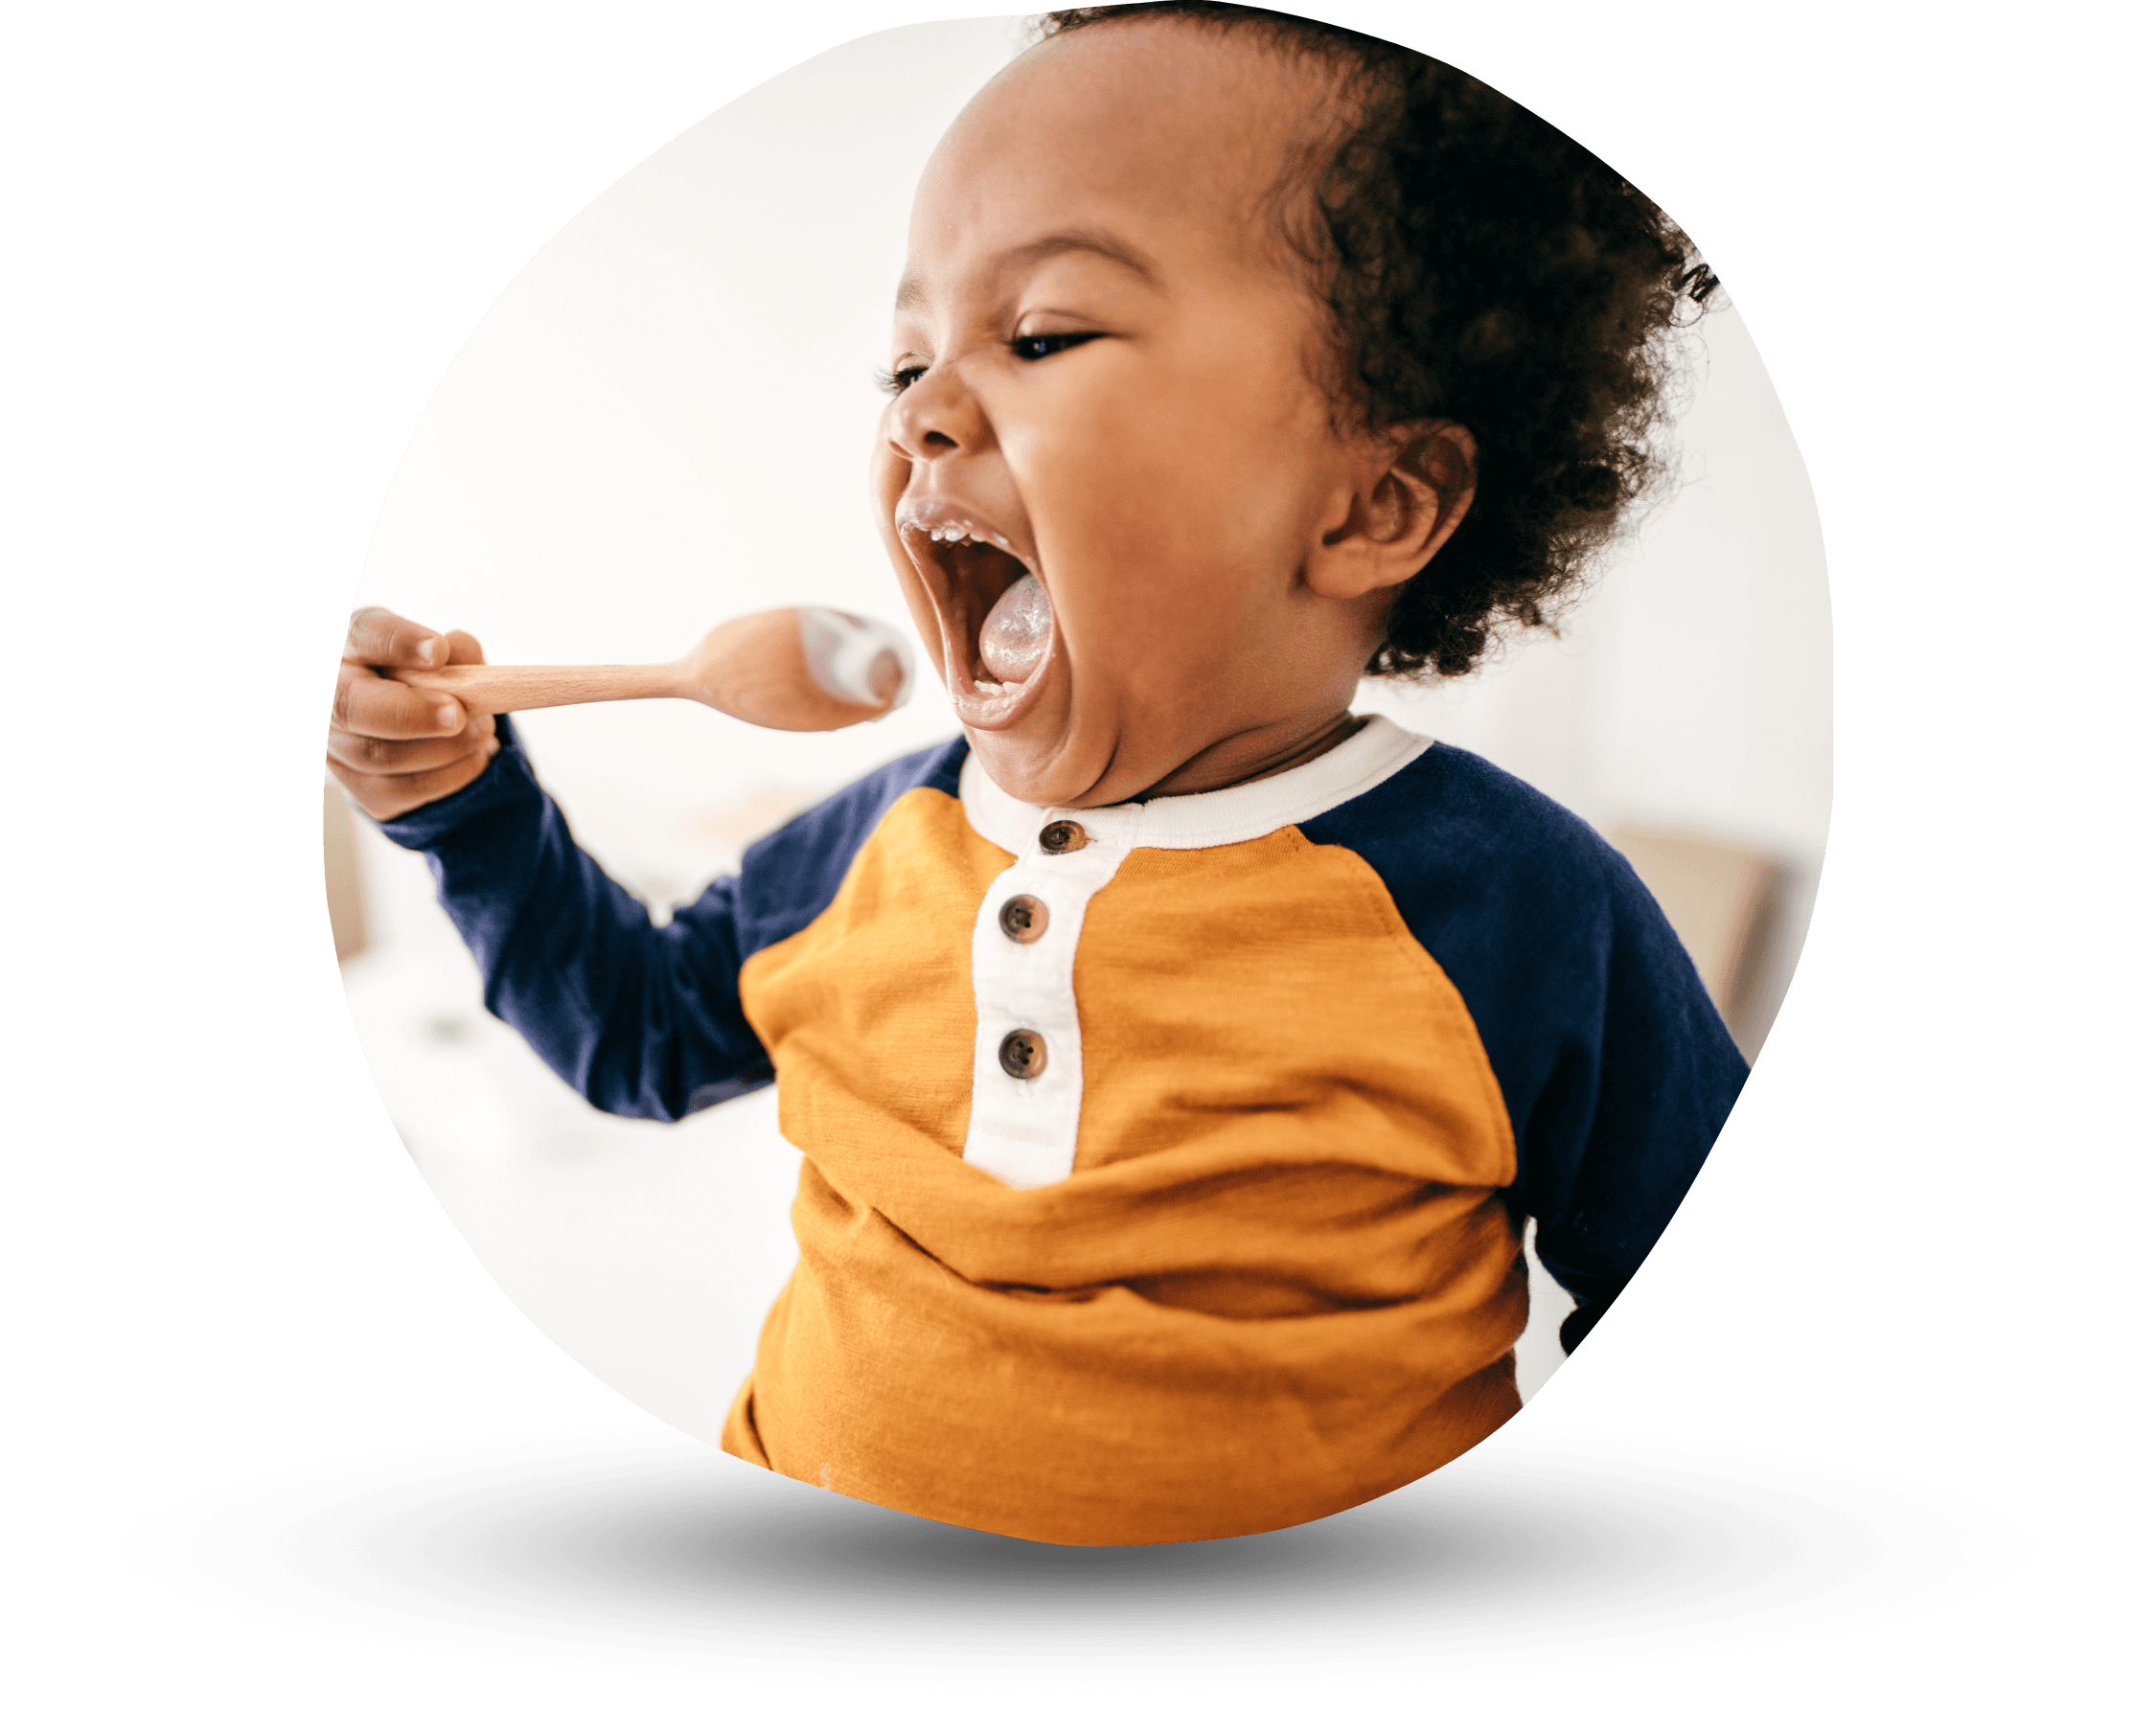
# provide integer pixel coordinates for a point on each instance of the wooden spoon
(799, 667)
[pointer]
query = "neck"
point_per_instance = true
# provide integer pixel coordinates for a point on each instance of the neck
(1250, 754)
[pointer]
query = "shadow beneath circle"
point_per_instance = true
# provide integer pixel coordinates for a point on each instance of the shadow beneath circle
(632, 1549)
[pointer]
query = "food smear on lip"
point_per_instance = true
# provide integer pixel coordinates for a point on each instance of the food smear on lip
(1014, 636)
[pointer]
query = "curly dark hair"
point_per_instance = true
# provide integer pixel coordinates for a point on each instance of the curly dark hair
(1480, 267)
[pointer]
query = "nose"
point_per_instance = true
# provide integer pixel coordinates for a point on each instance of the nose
(937, 416)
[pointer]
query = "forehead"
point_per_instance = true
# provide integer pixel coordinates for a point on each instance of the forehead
(1168, 137)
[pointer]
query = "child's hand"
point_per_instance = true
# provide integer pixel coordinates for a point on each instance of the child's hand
(393, 747)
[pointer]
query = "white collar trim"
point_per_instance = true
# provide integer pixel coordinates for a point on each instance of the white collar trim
(1233, 815)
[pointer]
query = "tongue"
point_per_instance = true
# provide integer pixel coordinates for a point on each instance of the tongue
(1013, 638)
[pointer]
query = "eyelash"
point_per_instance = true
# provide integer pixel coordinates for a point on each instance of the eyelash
(895, 380)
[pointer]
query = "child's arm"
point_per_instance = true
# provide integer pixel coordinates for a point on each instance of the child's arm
(1615, 1070)
(1665, 1076)
(641, 1020)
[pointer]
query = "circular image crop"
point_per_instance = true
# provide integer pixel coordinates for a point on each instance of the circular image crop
(1079, 760)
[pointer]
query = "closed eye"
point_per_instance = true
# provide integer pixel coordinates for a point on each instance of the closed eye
(1031, 349)
(1035, 346)
(897, 379)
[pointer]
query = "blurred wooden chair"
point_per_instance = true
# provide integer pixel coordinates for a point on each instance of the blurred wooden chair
(340, 867)
(1733, 908)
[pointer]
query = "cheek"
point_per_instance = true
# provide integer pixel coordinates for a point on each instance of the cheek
(1154, 504)
(887, 471)
(886, 482)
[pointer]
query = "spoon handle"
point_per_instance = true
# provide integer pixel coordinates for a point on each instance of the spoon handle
(519, 688)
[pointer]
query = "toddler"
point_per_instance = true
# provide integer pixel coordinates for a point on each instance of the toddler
(1175, 1057)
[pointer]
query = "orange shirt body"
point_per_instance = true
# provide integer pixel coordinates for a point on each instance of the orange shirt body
(1159, 1180)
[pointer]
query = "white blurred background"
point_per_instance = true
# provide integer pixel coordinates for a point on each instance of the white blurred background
(665, 421)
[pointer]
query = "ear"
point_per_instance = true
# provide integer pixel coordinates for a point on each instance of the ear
(1402, 505)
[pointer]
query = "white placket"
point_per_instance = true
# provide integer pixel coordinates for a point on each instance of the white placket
(1024, 1129)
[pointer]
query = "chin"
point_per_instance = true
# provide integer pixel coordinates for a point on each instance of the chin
(1045, 773)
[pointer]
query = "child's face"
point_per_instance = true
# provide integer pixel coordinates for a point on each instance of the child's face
(1107, 367)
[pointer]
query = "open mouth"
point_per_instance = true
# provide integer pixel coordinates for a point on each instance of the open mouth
(997, 627)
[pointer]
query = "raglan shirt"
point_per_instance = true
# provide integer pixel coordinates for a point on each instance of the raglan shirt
(1163, 1163)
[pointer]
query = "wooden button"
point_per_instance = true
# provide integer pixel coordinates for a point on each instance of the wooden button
(1024, 1054)
(1063, 836)
(1023, 919)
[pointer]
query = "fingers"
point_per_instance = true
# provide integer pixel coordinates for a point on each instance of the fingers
(381, 797)
(464, 648)
(386, 756)
(379, 636)
(371, 706)
(394, 747)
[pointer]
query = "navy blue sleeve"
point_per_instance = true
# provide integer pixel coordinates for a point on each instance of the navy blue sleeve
(1617, 1070)
(792, 876)
(642, 1021)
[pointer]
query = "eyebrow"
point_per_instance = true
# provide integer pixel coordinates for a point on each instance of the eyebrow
(913, 294)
